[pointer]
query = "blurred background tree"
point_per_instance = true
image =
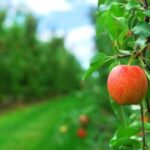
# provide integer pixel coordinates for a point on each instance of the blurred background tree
(30, 68)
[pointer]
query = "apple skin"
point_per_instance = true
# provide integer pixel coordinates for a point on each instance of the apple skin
(84, 119)
(127, 84)
(63, 129)
(81, 133)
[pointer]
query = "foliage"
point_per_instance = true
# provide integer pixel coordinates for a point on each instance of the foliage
(30, 68)
(123, 35)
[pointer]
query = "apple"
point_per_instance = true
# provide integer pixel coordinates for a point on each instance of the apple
(63, 129)
(81, 133)
(127, 84)
(84, 119)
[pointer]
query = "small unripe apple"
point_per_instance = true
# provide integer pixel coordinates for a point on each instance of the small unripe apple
(127, 84)
(84, 119)
(81, 133)
(63, 129)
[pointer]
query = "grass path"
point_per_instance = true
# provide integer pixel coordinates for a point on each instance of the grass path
(35, 127)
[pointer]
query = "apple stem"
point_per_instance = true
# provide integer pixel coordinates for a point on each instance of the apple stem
(131, 59)
(143, 128)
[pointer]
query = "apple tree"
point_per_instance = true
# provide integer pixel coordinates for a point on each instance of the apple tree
(123, 45)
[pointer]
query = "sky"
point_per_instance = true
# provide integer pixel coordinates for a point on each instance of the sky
(69, 18)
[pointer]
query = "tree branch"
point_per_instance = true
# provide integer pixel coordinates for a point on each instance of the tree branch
(148, 104)
(123, 55)
(143, 128)
(144, 54)
(145, 4)
(147, 19)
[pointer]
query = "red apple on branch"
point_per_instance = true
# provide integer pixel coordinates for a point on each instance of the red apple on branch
(127, 84)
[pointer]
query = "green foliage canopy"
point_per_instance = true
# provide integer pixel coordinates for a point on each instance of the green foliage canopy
(30, 68)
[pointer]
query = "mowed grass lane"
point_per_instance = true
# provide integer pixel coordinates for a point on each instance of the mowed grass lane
(36, 127)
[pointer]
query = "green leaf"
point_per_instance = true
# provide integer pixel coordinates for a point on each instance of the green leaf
(132, 4)
(116, 108)
(103, 8)
(121, 21)
(111, 18)
(142, 29)
(138, 124)
(127, 131)
(96, 62)
(147, 74)
(125, 52)
(99, 57)
(141, 41)
(113, 64)
(147, 12)
(125, 141)
(117, 9)
(90, 71)
(124, 136)
(147, 126)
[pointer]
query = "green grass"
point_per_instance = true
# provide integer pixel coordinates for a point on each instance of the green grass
(37, 127)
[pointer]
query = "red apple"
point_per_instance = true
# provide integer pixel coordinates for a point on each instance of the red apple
(127, 84)
(81, 133)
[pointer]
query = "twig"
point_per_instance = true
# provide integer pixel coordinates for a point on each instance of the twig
(144, 54)
(140, 3)
(148, 105)
(145, 5)
(147, 19)
(123, 56)
(143, 128)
